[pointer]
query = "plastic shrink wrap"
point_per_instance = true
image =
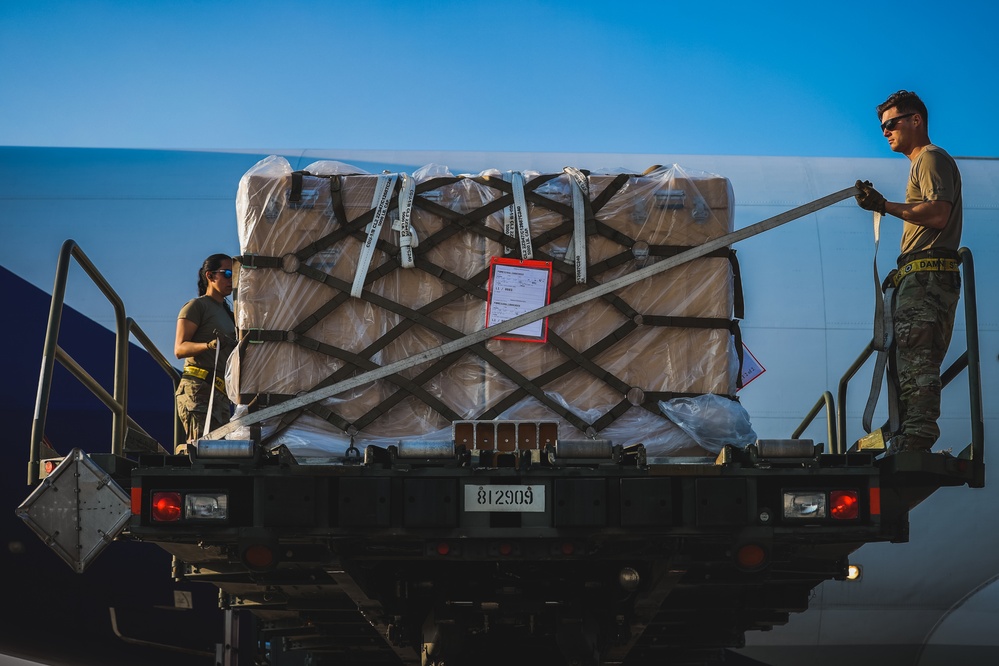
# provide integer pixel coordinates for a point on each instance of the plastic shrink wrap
(309, 239)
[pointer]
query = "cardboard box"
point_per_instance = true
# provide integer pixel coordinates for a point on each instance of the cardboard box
(459, 222)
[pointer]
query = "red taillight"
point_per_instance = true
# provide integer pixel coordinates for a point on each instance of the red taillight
(843, 504)
(443, 548)
(165, 507)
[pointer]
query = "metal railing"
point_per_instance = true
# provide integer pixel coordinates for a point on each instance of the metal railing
(825, 401)
(117, 401)
(969, 360)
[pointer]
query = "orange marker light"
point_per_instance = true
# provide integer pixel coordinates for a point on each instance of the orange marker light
(751, 556)
(259, 557)
(875, 501)
(136, 497)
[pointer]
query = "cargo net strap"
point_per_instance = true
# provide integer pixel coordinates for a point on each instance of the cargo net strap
(455, 222)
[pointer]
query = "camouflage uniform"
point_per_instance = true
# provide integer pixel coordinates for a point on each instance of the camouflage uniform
(926, 301)
(925, 305)
(192, 405)
(192, 395)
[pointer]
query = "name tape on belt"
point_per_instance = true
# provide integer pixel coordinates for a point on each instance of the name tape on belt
(931, 264)
(201, 373)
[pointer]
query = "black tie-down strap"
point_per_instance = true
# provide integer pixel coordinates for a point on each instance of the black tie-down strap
(585, 360)
(468, 222)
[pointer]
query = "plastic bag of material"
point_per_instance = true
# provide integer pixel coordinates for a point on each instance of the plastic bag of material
(711, 420)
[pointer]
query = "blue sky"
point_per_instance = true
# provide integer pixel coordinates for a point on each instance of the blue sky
(760, 78)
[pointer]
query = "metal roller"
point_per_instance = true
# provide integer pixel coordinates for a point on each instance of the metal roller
(583, 448)
(786, 448)
(226, 448)
(422, 449)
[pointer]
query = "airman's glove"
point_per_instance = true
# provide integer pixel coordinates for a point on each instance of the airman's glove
(869, 198)
(227, 341)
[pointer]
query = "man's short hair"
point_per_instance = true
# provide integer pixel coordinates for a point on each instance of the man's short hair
(905, 102)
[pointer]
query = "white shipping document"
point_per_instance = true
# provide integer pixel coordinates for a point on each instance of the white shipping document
(517, 290)
(751, 368)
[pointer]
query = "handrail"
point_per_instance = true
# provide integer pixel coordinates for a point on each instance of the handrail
(841, 394)
(95, 387)
(970, 359)
(117, 402)
(827, 401)
(973, 357)
(172, 372)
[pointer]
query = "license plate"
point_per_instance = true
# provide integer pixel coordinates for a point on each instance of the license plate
(527, 499)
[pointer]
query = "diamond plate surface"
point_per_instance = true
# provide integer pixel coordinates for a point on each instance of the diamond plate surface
(77, 510)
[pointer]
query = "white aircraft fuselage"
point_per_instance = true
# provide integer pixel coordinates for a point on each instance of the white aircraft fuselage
(148, 218)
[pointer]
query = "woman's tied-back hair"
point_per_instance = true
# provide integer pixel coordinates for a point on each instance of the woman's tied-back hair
(212, 263)
(905, 102)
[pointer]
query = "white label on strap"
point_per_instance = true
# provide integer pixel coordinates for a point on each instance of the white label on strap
(380, 202)
(520, 216)
(406, 238)
(577, 251)
(509, 223)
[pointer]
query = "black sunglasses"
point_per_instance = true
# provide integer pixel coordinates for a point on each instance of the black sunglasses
(224, 271)
(889, 125)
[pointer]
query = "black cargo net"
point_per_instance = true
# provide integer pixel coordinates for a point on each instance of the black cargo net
(458, 287)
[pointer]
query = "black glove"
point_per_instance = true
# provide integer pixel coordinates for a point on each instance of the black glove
(227, 341)
(869, 198)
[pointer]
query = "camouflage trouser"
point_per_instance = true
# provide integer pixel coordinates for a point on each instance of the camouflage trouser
(925, 305)
(192, 405)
